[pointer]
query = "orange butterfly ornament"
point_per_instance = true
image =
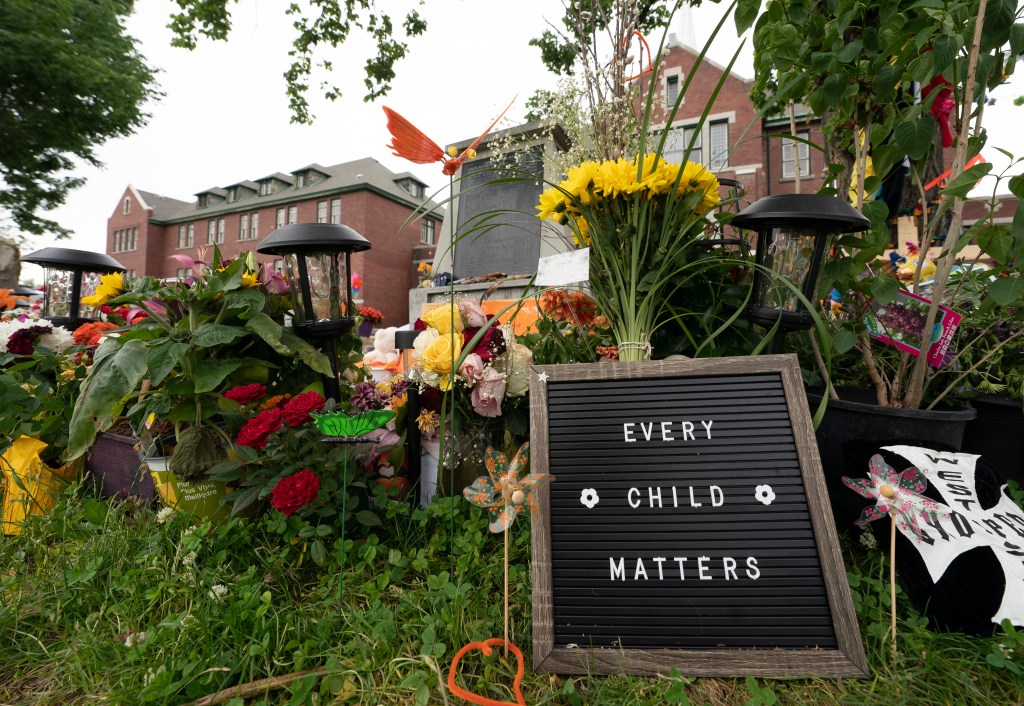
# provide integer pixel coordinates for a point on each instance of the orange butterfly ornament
(409, 142)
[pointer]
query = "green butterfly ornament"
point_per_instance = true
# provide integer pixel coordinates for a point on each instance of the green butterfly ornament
(502, 491)
(339, 427)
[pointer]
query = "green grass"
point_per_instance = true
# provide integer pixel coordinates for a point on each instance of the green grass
(78, 585)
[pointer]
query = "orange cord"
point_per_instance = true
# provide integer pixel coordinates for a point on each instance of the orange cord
(486, 647)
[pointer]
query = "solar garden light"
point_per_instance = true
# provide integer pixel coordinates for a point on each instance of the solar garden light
(318, 260)
(793, 232)
(68, 276)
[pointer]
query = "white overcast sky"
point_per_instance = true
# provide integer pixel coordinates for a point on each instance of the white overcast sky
(225, 118)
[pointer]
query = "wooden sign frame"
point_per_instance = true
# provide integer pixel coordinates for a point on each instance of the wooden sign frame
(847, 659)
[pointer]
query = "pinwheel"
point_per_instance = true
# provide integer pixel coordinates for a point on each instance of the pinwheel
(503, 493)
(410, 142)
(897, 495)
(342, 428)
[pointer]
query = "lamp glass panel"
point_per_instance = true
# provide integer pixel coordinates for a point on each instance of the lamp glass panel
(57, 295)
(90, 281)
(787, 253)
(328, 286)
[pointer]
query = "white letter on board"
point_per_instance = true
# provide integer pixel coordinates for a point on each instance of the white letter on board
(702, 568)
(660, 560)
(627, 433)
(729, 566)
(617, 570)
(651, 496)
(688, 431)
(717, 496)
(629, 498)
(752, 571)
(666, 431)
(707, 426)
(681, 560)
(639, 569)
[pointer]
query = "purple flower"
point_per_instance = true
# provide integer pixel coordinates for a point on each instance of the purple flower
(488, 394)
(365, 397)
(272, 280)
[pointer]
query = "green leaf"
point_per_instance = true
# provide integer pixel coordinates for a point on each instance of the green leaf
(209, 335)
(163, 357)
(1006, 290)
(210, 376)
(944, 50)
(916, 137)
(844, 341)
(746, 13)
(1016, 185)
(886, 79)
(876, 212)
(996, 241)
(368, 519)
(318, 552)
(95, 511)
(833, 88)
(966, 181)
(249, 299)
(1017, 251)
(884, 289)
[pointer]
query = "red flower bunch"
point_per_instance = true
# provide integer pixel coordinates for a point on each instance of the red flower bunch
(566, 305)
(246, 394)
(371, 314)
(295, 491)
(23, 341)
(256, 431)
(89, 334)
(296, 410)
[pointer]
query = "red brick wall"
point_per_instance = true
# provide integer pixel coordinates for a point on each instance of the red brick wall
(136, 217)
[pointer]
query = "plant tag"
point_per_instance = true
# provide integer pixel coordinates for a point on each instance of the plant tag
(564, 268)
(901, 322)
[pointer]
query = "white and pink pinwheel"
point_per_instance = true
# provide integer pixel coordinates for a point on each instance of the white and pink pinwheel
(896, 494)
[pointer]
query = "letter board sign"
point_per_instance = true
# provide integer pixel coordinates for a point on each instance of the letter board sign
(688, 525)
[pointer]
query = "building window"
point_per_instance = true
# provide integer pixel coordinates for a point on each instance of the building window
(211, 232)
(184, 272)
(803, 152)
(254, 226)
(719, 156)
(182, 236)
(232, 194)
(243, 226)
(220, 230)
(280, 217)
(135, 238)
(279, 265)
(321, 211)
(293, 214)
(671, 90)
(191, 234)
(427, 232)
(300, 180)
(127, 205)
(266, 188)
(335, 210)
(203, 200)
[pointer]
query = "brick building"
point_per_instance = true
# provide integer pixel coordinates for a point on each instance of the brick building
(146, 229)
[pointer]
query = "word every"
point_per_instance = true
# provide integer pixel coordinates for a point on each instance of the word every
(664, 431)
(702, 569)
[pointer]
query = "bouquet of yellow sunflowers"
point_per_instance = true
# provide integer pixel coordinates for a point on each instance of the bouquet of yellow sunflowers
(641, 219)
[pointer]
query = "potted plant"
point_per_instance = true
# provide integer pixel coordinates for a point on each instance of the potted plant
(219, 329)
(41, 368)
(894, 87)
(369, 318)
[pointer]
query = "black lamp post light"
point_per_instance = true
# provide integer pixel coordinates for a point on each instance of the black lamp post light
(68, 276)
(318, 262)
(793, 232)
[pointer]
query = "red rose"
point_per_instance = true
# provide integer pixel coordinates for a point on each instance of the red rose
(419, 325)
(297, 409)
(23, 340)
(295, 491)
(491, 344)
(246, 394)
(255, 432)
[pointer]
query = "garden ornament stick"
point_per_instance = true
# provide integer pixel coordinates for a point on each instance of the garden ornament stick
(348, 429)
(504, 494)
(899, 496)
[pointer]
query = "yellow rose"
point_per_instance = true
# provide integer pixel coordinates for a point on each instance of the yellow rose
(442, 318)
(440, 354)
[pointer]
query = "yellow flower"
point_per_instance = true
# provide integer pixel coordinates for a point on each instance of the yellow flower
(110, 286)
(697, 178)
(249, 279)
(616, 178)
(580, 181)
(584, 233)
(428, 421)
(442, 318)
(552, 202)
(438, 357)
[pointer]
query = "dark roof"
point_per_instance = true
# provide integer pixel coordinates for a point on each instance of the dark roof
(348, 176)
(215, 190)
(311, 167)
(281, 176)
(246, 183)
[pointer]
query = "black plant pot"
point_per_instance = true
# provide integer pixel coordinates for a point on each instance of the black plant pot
(998, 434)
(854, 425)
